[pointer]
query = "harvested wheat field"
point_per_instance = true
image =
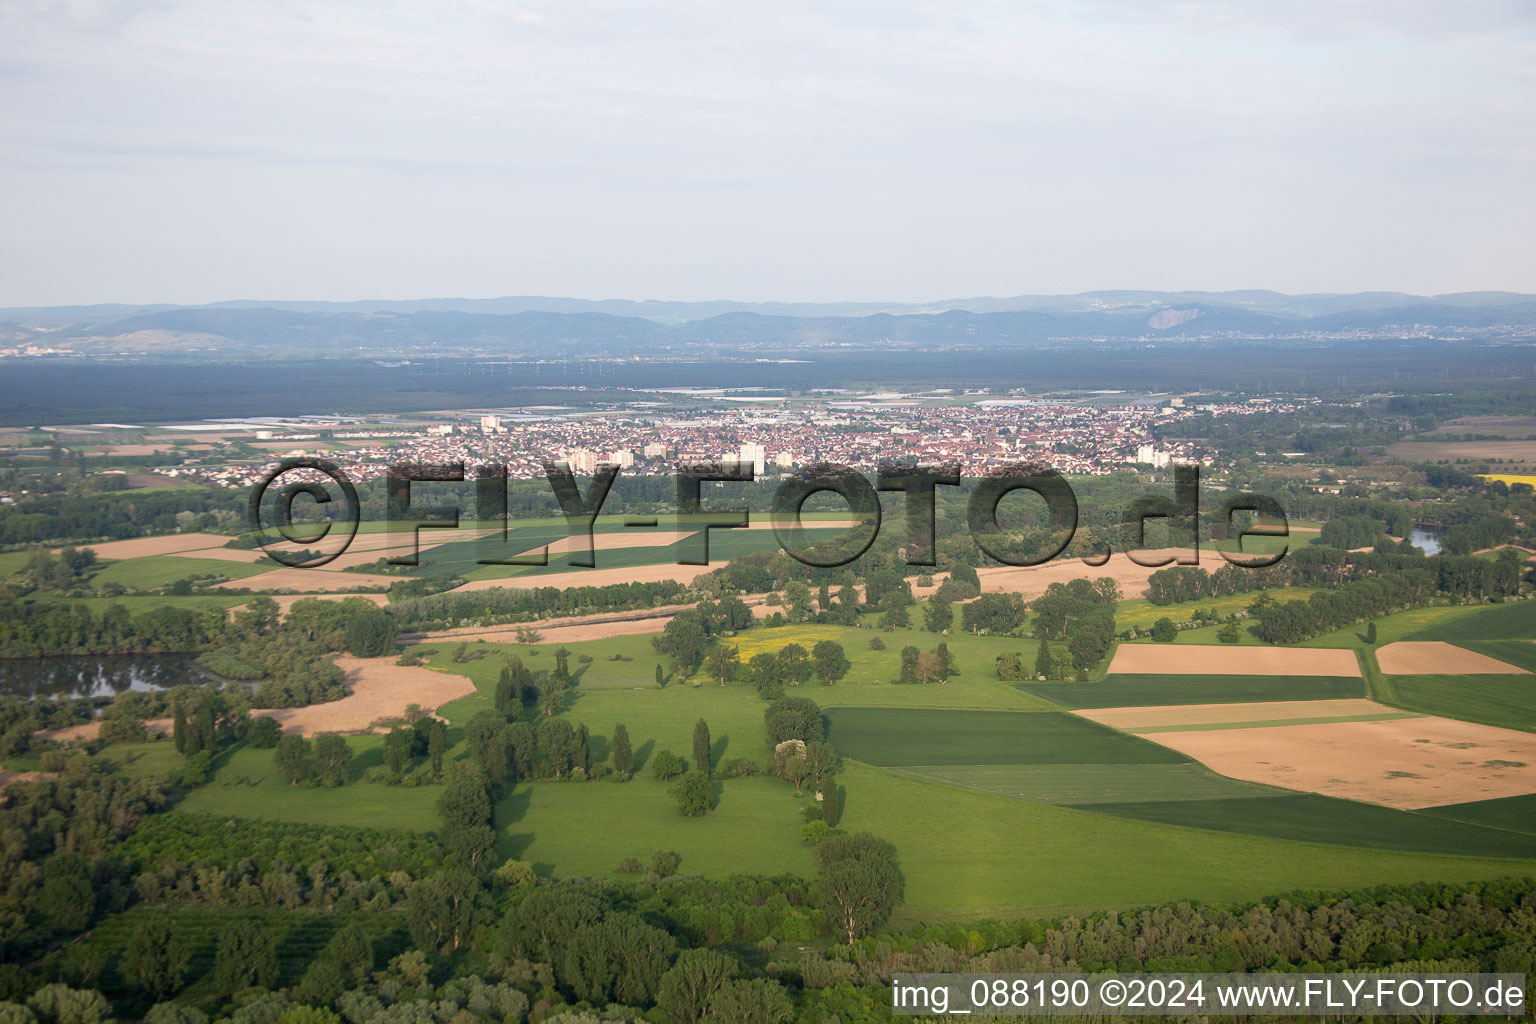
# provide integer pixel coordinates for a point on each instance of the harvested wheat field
(609, 541)
(1204, 660)
(1031, 580)
(306, 580)
(380, 689)
(1435, 657)
(1405, 763)
(1162, 718)
(139, 547)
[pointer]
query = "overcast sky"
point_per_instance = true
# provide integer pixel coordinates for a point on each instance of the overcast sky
(323, 149)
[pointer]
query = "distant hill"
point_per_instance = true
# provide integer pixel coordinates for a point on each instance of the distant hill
(540, 327)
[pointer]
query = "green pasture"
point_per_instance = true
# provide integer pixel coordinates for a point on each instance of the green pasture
(1127, 690)
(1512, 620)
(1139, 613)
(586, 828)
(967, 855)
(1322, 819)
(246, 783)
(903, 736)
(153, 571)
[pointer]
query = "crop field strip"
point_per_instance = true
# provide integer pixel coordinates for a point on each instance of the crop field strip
(1119, 691)
(904, 737)
(1084, 785)
(1312, 817)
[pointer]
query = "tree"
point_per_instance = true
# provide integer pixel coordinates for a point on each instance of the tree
(793, 718)
(507, 696)
(938, 615)
(1370, 632)
(701, 743)
(1009, 665)
(558, 745)
(794, 663)
(466, 813)
(441, 910)
(829, 661)
(661, 678)
(820, 761)
(1164, 631)
(179, 727)
(895, 617)
(694, 793)
(790, 762)
(830, 808)
(723, 662)
(66, 899)
(293, 758)
(909, 659)
(1229, 634)
(552, 694)
(620, 753)
(370, 634)
(859, 881)
(397, 748)
(437, 743)
(1045, 665)
(665, 765)
(683, 641)
(246, 957)
(332, 754)
(692, 982)
(155, 958)
(758, 1000)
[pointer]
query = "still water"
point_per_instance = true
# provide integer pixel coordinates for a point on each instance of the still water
(97, 675)
(1427, 541)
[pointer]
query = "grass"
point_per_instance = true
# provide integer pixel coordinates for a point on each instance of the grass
(1519, 653)
(153, 571)
(1086, 784)
(1508, 701)
(901, 736)
(1323, 819)
(1140, 613)
(248, 784)
(1484, 622)
(586, 829)
(1516, 813)
(1137, 690)
(967, 855)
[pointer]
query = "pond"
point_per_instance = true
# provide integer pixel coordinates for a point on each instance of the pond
(97, 675)
(1426, 539)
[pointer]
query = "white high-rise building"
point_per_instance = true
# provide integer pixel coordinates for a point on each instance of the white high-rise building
(582, 460)
(654, 450)
(784, 460)
(623, 458)
(754, 454)
(490, 424)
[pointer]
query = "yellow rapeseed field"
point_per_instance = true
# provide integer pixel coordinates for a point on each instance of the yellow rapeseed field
(1510, 478)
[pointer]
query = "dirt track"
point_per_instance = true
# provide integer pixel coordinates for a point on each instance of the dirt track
(1432, 657)
(1205, 660)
